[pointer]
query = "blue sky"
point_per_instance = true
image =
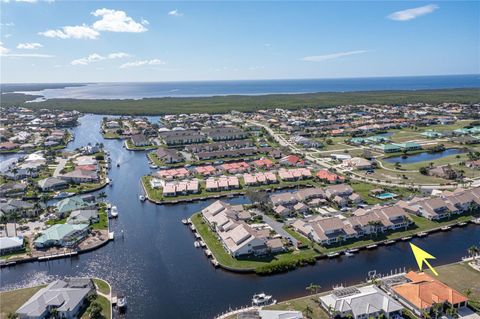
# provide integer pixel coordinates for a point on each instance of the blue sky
(95, 41)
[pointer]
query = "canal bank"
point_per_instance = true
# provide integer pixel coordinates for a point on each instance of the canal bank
(160, 271)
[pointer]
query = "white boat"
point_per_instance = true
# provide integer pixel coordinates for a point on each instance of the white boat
(122, 303)
(348, 254)
(141, 197)
(113, 212)
(262, 300)
(153, 166)
(476, 221)
(196, 244)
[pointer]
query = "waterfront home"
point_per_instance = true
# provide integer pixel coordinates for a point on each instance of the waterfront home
(329, 177)
(139, 140)
(80, 176)
(83, 216)
(168, 156)
(178, 188)
(9, 245)
(270, 314)
(237, 237)
(448, 203)
(64, 235)
(222, 183)
(360, 303)
(51, 184)
(66, 298)
(75, 203)
(422, 292)
(432, 134)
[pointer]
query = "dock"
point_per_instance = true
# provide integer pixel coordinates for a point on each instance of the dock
(389, 242)
(407, 238)
(59, 255)
(373, 246)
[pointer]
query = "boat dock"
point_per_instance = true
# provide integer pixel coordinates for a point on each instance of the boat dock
(59, 255)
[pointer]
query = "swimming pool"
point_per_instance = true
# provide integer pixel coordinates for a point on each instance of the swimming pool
(386, 196)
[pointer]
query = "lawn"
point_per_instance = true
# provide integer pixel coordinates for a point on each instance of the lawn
(106, 308)
(103, 220)
(461, 277)
(102, 286)
(363, 189)
(224, 258)
(10, 301)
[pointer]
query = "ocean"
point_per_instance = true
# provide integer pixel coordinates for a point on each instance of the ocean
(139, 90)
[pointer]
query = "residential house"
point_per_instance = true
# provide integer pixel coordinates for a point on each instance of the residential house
(422, 292)
(9, 245)
(66, 298)
(51, 184)
(360, 303)
(64, 235)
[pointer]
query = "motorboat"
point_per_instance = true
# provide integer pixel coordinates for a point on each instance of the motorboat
(141, 197)
(262, 300)
(348, 253)
(153, 166)
(122, 303)
(113, 212)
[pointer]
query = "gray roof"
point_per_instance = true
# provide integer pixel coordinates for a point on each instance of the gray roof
(11, 242)
(361, 301)
(82, 216)
(64, 295)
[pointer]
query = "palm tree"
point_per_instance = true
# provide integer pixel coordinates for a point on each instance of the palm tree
(468, 292)
(313, 288)
(308, 312)
(473, 250)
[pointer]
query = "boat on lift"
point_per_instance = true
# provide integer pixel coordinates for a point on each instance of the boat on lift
(113, 212)
(263, 300)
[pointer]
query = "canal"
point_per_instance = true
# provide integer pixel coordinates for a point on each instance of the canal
(156, 265)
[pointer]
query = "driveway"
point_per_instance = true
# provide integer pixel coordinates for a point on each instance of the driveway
(277, 226)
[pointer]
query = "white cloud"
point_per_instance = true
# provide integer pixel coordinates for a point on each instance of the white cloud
(175, 13)
(116, 21)
(29, 46)
(95, 57)
(3, 50)
(332, 56)
(413, 13)
(72, 32)
(144, 21)
(7, 24)
(141, 63)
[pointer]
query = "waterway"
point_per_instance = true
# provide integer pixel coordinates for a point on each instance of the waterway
(156, 265)
(424, 156)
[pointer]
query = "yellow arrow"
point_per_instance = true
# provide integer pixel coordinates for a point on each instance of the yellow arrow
(421, 256)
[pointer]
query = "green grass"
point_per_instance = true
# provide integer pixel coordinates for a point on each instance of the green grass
(104, 303)
(461, 277)
(363, 189)
(102, 286)
(301, 304)
(243, 263)
(10, 301)
(103, 220)
(223, 104)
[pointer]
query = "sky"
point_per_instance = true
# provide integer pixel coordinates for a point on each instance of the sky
(121, 41)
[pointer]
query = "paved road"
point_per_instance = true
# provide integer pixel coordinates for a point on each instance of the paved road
(277, 226)
(60, 166)
(353, 175)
